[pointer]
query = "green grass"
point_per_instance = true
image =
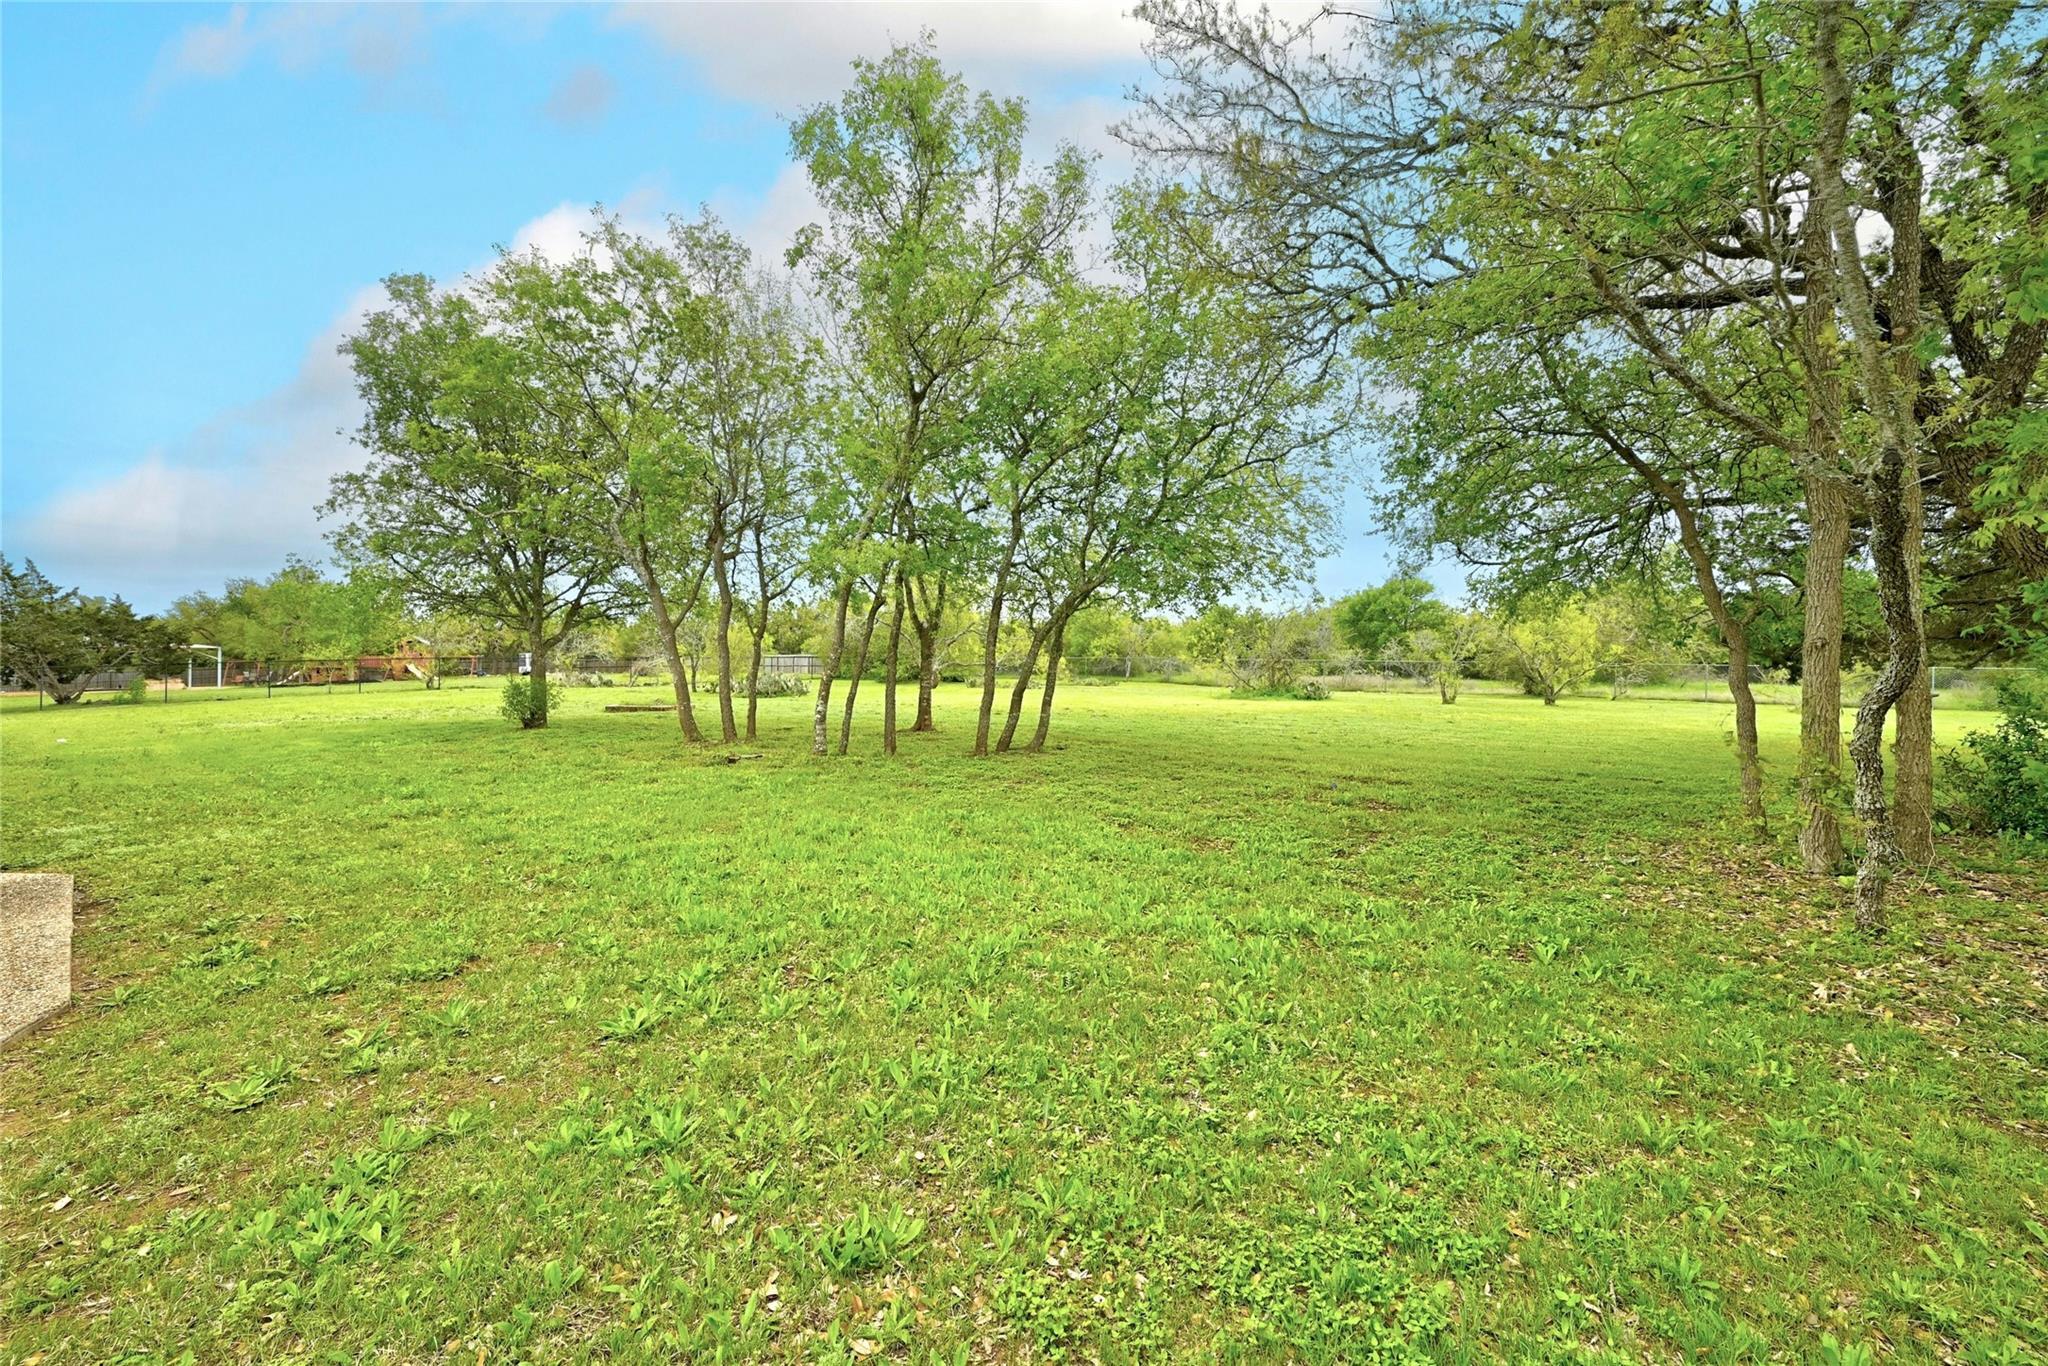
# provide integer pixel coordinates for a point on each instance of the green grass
(1366, 1029)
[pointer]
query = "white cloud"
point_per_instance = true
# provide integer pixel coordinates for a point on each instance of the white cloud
(767, 222)
(788, 56)
(232, 497)
(240, 492)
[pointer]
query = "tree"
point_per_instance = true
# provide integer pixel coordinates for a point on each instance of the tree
(1102, 633)
(1209, 470)
(1637, 632)
(751, 413)
(58, 639)
(675, 387)
(1040, 406)
(1555, 648)
(773, 561)
(1259, 649)
(1448, 648)
(466, 503)
(935, 235)
(1372, 619)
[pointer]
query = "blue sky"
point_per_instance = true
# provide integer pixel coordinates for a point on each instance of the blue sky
(196, 203)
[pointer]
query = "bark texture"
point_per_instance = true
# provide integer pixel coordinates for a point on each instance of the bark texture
(892, 659)
(835, 650)
(1820, 677)
(721, 568)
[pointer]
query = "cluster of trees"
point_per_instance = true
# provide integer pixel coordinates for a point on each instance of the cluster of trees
(943, 409)
(1759, 284)
(57, 640)
(1626, 631)
(298, 613)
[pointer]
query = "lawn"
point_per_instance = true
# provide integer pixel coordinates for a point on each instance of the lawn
(1367, 1029)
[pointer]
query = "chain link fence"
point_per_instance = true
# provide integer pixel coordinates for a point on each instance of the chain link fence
(208, 675)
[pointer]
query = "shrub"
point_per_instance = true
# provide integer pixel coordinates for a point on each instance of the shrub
(528, 700)
(1552, 652)
(137, 689)
(2000, 777)
(770, 685)
(1303, 690)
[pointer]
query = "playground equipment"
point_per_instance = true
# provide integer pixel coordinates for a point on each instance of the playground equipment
(415, 658)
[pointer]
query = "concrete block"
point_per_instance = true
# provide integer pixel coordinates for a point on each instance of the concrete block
(35, 948)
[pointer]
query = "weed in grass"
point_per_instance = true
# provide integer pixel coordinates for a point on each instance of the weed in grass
(251, 1089)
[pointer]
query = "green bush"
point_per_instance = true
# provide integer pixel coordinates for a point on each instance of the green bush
(137, 689)
(528, 700)
(1999, 778)
(770, 685)
(1306, 690)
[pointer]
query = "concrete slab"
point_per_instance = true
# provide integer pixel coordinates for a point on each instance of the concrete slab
(35, 948)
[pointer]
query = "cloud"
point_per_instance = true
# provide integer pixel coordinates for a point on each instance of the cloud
(767, 222)
(232, 497)
(242, 491)
(379, 44)
(785, 57)
(582, 98)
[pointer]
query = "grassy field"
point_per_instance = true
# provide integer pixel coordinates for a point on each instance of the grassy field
(1366, 1029)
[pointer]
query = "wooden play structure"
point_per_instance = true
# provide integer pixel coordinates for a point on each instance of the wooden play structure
(415, 658)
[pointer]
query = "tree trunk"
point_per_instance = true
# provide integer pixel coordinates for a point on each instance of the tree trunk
(758, 628)
(1748, 760)
(1820, 676)
(835, 648)
(1913, 717)
(1025, 670)
(1891, 485)
(927, 678)
(1733, 633)
(721, 571)
(990, 633)
(890, 664)
(536, 717)
(1896, 598)
(860, 663)
(1735, 639)
(1052, 678)
(635, 550)
(927, 654)
(665, 628)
